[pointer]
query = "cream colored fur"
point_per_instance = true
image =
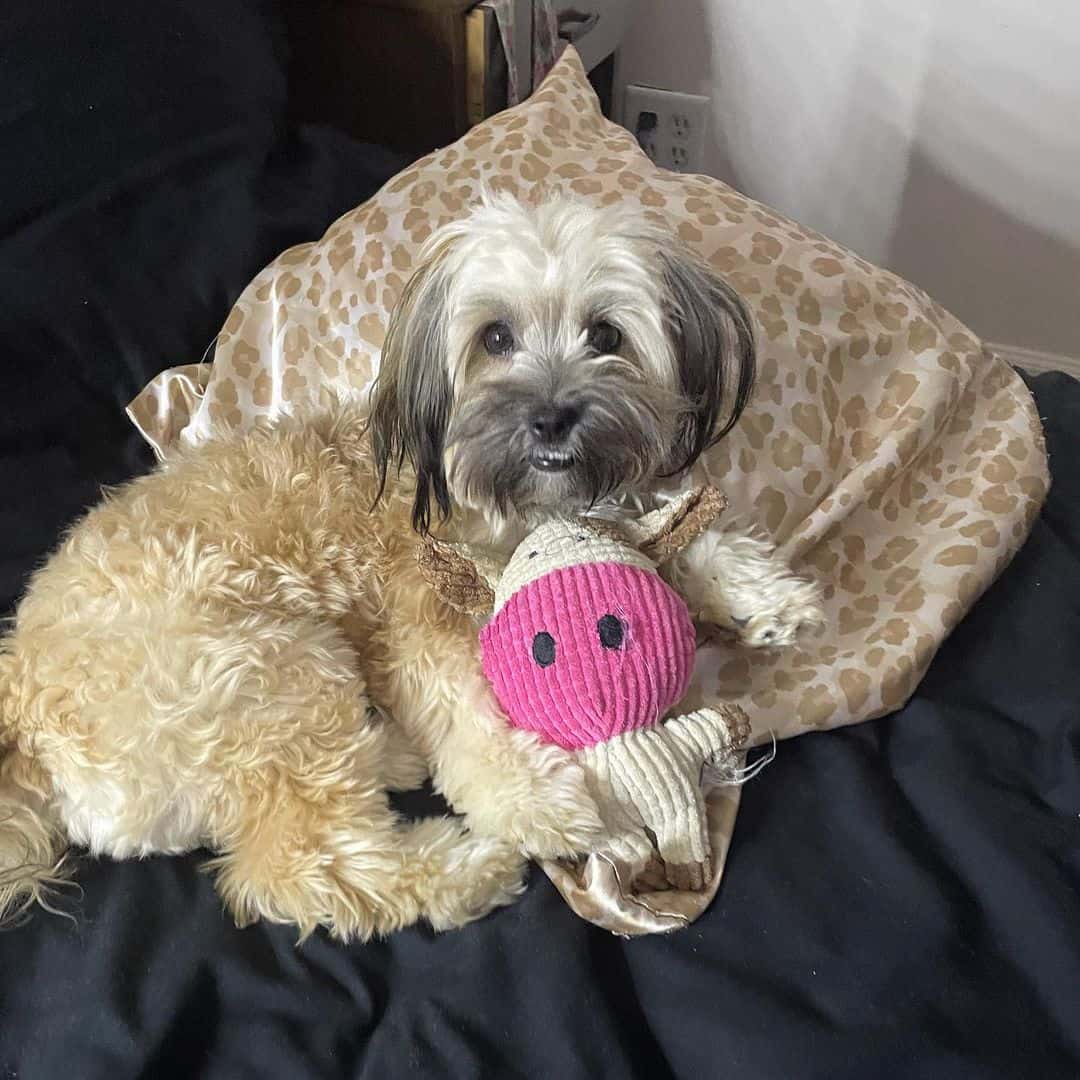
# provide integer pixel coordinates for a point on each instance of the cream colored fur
(734, 579)
(193, 667)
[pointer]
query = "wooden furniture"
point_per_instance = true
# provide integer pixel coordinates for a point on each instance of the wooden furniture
(416, 74)
(394, 72)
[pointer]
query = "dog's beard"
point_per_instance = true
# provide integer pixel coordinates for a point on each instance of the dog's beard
(624, 437)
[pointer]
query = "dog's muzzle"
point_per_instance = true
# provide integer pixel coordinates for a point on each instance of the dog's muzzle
(550, 429)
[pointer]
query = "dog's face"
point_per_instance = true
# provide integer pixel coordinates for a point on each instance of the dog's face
(553, 356)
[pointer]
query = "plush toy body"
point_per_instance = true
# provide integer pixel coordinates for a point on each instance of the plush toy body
(589, 648)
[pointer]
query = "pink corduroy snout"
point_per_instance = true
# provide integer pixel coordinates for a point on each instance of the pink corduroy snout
(588, 652)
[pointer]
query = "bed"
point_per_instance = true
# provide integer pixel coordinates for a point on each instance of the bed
(908, 908)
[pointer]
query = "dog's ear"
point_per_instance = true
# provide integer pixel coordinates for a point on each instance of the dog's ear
(663, 533)
(465, 578)
(713, 338)
(412, 397)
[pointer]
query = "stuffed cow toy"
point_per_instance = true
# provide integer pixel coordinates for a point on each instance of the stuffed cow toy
(589, 648)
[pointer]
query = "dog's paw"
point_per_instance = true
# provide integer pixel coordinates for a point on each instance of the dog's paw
(547, 831)
(549, 809)
(523, 791)
(491, 874)
(547, 813)
(789, 607)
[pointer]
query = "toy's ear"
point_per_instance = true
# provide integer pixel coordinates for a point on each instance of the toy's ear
(663, 533)
(462, 576)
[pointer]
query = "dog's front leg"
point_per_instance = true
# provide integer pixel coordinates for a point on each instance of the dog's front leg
(505, 781)
(737, 581)
(509, 784)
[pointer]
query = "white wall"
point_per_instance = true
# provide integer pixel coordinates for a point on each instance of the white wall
(940, 138)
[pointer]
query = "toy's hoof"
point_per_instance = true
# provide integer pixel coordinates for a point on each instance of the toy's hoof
(653, 878)
(689, 877)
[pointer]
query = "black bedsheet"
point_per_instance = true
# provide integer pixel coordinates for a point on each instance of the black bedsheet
(900, 898)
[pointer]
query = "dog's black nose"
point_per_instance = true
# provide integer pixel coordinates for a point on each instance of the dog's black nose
(552, 425)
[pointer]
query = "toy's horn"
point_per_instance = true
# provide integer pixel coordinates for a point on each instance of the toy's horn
(663, 533)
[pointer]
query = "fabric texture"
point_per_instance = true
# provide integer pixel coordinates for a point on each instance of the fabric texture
(615, 653)
(558, 544)
(146, 172)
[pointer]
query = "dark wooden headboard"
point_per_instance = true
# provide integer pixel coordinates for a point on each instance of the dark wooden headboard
(388, 71)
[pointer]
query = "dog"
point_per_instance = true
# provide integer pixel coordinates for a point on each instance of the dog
(237, 651)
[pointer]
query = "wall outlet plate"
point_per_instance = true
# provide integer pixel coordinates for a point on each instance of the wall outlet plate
(669, 126)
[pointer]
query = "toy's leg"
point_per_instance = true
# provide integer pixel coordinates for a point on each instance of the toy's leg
(711, 735)
(653, 777)
(737, 581)
(628, 844)
(659, 777)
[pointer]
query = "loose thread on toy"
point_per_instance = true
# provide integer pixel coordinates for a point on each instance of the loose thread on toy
(734, 777)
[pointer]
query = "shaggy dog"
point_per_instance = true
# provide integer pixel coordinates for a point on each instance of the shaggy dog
(200, 661)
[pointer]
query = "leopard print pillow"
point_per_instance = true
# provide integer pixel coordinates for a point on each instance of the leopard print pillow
(886, 452)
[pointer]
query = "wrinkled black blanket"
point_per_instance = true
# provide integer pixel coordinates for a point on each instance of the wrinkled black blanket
(901, 898)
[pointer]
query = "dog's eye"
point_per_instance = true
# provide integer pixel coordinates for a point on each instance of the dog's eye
(604, 338)
(498, 338)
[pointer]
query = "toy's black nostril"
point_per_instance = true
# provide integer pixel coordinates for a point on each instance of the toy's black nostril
(611, 631)
(543, 649)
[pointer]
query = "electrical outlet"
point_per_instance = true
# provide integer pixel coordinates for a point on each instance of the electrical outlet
(669, 126)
